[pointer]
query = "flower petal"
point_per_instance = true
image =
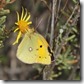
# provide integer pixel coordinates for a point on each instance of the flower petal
(17, 16)
(25, 15)
(18, 37)
(16, 23)
(29, 23)
(16, 30)
(22, 13)
(28, 18)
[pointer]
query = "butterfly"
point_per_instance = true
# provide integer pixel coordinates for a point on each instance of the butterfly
(34, 49)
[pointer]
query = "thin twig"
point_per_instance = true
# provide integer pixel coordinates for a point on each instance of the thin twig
(72, 75)
(57, 51)
(46, 5)
(65, 5)
(57, 11)
(38, 23)
(48, 69)
(48, 24)
(72, 14)
(52, 22)
(58, 48)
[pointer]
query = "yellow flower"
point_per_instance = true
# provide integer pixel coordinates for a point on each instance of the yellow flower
(22, 23)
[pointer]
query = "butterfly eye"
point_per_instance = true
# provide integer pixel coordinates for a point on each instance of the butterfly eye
(40, 46)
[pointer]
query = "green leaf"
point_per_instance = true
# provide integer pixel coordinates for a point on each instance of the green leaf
(75, 1)
(3, 12)
(7, 1)
(70, 38)
(2, 20)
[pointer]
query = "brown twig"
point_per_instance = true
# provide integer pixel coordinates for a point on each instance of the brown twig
(3, 3)
(57, 12)
(46, 5)
(48, 24)
(54, 2)
(57, 51)
(48, 69)
(65, 5)
(72, 14)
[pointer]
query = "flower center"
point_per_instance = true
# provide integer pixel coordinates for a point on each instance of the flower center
(23, 26)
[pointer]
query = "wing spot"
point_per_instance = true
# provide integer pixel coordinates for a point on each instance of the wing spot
(30, 49)
(40, 46)
(39, 56)
(37, 49)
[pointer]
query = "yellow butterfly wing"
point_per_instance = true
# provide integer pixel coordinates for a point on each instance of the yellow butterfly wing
(34, 49)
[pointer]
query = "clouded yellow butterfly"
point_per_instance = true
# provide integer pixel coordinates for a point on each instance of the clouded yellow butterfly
(34, 49)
